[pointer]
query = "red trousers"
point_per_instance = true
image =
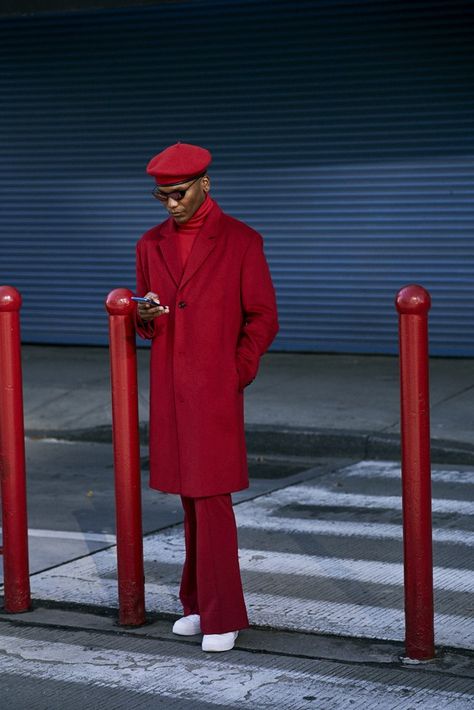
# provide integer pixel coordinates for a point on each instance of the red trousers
(211, 585)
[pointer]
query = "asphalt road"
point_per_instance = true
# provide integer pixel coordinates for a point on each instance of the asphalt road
(321, 559)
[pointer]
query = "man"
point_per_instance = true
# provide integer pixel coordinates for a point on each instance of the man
(217, 316)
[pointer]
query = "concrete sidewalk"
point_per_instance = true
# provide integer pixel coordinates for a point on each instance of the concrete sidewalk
(307, 404)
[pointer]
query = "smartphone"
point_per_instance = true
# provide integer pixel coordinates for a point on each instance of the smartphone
(139, 299)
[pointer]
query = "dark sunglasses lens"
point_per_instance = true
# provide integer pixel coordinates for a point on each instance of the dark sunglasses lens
(177, 196)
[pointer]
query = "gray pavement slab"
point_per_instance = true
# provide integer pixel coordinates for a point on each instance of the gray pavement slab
(351, 402)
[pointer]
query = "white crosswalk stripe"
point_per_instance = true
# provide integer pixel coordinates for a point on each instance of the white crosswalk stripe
(284, 612)
(71, 535)
(322, 497)
(370, 571)
(257, 516)
(390, 469)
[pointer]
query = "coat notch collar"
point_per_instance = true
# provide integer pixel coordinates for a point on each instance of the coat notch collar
(168, 247)
(204, 243)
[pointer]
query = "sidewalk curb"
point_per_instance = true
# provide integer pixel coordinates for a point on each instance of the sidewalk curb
(291, 441)
(112, 612)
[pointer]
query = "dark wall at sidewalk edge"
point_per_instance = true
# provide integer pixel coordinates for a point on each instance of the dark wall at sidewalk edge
(10, 8)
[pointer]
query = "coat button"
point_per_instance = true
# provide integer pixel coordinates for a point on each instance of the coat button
(182, 304)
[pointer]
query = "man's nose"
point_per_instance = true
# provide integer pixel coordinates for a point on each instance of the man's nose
(172, 203)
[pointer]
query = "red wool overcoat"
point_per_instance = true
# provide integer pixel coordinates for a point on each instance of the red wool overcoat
(222, 318)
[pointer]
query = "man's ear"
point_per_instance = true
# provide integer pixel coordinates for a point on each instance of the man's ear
(206, 183)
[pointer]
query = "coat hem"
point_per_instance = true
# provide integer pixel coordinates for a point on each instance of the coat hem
(200, 495)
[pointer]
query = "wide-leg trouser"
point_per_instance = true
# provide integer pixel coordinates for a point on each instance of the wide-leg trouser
(211, 585)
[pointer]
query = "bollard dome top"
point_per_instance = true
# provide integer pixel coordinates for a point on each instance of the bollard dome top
(413, 299)
(10, 299)
(119, 303)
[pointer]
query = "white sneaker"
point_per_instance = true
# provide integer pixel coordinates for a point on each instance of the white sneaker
(188, 625)
(219, 642)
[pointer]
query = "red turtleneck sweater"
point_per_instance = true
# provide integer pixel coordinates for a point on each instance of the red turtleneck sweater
(186, 233)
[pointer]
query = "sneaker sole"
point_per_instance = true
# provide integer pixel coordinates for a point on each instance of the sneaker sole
(186, 633)
(218, 650)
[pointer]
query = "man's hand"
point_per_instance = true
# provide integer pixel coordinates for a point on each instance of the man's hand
(147, 312)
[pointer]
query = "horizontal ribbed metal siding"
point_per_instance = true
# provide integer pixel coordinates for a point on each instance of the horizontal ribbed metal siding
(342, 131)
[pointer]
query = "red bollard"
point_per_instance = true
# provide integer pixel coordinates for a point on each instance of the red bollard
(123, 364)
(413, 303)
(12, 456)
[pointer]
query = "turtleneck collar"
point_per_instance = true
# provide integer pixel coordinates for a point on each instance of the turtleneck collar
(199, 217)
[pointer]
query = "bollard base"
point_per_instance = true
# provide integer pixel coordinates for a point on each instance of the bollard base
(21, 610)
(406, 661)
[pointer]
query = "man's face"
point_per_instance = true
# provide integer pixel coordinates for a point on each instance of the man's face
(182, 210)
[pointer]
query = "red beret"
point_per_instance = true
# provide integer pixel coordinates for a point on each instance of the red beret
(178, 163)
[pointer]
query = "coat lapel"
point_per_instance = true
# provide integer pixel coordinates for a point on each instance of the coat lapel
(204, 243)
(169, 250)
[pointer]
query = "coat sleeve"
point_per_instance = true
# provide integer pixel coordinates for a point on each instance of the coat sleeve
(260, 324)
(149, 329)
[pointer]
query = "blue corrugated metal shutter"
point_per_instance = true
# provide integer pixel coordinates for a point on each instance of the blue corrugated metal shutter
(343, 131)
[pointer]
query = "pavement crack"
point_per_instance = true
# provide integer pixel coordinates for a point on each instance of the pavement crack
(36, 653)
(452, 396)
(390, 426)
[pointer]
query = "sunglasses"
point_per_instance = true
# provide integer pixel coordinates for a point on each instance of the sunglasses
(176, 195)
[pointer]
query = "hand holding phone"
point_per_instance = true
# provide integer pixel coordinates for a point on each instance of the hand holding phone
(144, 299)
(149, 306)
